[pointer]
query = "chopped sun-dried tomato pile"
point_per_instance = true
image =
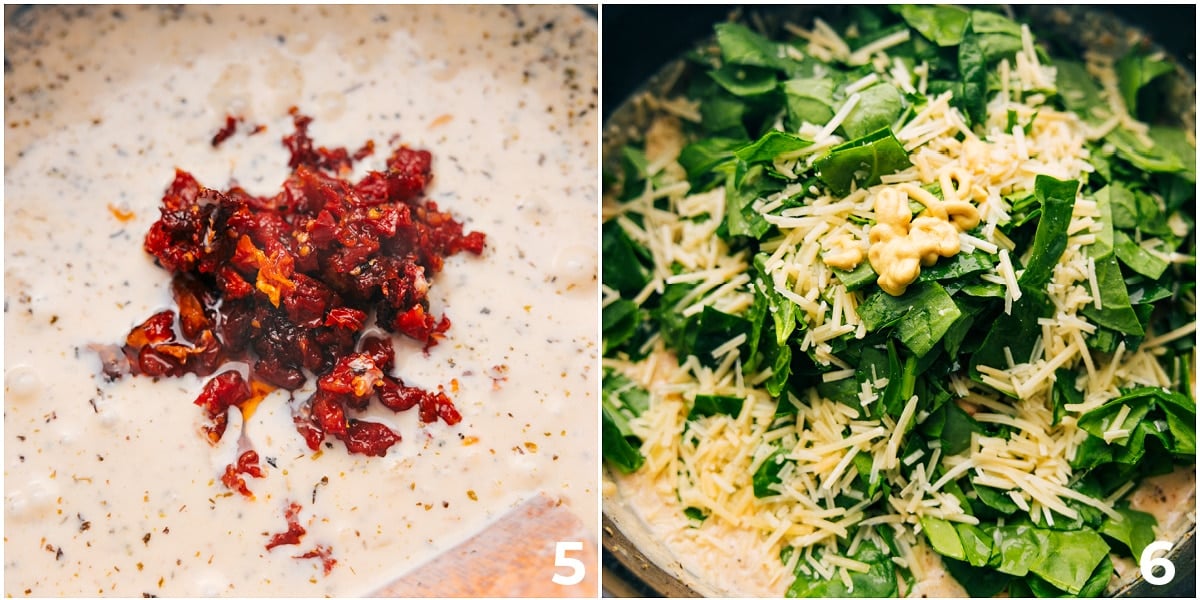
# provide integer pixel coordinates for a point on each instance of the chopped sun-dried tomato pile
(287, 283)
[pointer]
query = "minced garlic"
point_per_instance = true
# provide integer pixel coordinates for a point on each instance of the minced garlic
(843, 252)
(901, 245)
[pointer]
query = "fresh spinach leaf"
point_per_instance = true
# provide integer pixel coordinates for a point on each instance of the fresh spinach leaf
(1065, 559)
(878, 107)
(983, 290)
(976, 543)
(922, 315)
(1174, 141)
(979, 582)
(986, 21)
(782, 310)
(1062, 393)
(769, 146)
(621, 400)
(624, 262)
(1103, 246)
(809, 100)
(1137, 258)
(768, 474)
(957, 429)
(1099, 420)
(902, 378)
(634, 166)
(1135, 70)
(1116, 312)
(709, 330)
(619, 321)
(997, 36)
(857, 278)
(1069, 557)
(1078, 91)
(707, 405)
(943, 537)
(1146, 404)
(723, 114)
(995, 500)
(743, 81)
(878, 582)
(959, 265)
(740, 216)
(1134, 530)
(942, 25)
(617, 449)
(624, 395)
(1095, 586)
(695, 514)
(1018, 547)
(1147, 157)
(1011, 331)
(700, 158)
(972, 71)
(741, 46)
(781, 365)
(1058, 201)
(862, 161)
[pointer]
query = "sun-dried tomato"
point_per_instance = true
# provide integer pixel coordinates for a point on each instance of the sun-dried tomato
(214, 430)
(287, 284)
(221, 392)
(157, 364)
(226, 389)
(225, 132)
(328, 414)
(313, 435)
(370, 438)
(247, 464)
(438, 405)
(192, 318)
(325, 553)
(231, 283)
(354, 374)
(155, 330)
(397, 396)
(346, 318)
(182, 192)
(294, 531)
(380, 350)
(235, 482)
(421, 326)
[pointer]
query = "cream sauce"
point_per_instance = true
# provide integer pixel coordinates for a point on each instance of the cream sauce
(110, 488)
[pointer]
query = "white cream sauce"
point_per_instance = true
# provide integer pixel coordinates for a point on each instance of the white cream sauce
(110, 488)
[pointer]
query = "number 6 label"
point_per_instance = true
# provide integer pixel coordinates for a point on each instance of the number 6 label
(575, 565)
(1148, 563)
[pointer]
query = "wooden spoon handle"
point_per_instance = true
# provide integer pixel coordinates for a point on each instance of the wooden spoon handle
(514, 557)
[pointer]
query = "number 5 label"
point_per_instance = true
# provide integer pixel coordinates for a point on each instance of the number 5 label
(1148, 563)
(574, 564)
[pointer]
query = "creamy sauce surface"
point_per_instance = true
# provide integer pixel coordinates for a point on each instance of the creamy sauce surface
(110, 488)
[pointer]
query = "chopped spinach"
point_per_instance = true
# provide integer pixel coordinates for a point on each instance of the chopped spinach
(862, 161)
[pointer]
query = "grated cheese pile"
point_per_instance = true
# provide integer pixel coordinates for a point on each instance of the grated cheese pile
(709, 463)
